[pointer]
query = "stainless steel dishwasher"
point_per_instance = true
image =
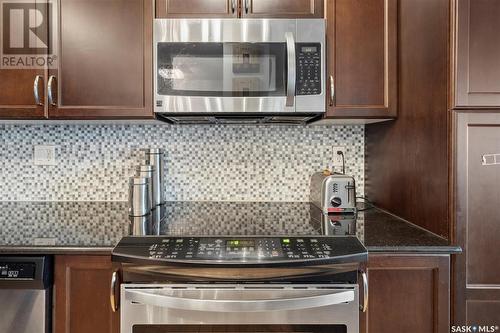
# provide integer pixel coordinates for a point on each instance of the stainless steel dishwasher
(26, 294)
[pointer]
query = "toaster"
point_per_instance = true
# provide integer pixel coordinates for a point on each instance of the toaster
(333, 193)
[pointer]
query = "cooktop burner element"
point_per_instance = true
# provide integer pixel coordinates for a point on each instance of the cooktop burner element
(234, 250)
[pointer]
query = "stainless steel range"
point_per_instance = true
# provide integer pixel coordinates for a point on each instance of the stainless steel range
(248, 283)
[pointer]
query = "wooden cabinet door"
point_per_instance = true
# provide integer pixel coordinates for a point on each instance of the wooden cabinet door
(17, 96)
(478, 53)
(82, 295)
(196, 8)
(408, 294)
(477, 270)
(23, 62)
(282, 8)
(104, 69)
(362, 59)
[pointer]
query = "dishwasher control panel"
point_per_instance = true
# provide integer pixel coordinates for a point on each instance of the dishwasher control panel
(26, 272)
(17, 270)
(238, 249)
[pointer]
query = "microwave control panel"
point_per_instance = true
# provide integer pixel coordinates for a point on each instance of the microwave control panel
(308, 64)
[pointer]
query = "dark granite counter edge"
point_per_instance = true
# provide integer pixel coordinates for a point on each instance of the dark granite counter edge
(415, 249)
(19, 250)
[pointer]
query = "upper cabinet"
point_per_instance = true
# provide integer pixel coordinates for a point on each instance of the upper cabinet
(282, 8)
(22, 94)
(87, 59)
(362, 59)
(196, 8)
(478, 53)
(239, 8)
(23, 60)
(104, 63)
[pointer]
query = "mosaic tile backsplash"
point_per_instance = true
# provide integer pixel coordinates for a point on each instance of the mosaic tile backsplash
(212, 163)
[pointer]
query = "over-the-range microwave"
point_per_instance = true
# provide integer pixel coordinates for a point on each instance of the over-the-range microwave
(239, 70)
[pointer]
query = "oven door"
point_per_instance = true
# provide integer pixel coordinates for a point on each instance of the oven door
(239, 308)
(230, 65)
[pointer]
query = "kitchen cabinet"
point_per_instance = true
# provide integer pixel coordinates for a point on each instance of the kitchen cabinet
(239, 8)
(17, 94)
(282, 9)
(104, 66)
(477, 52)
(23, 61)
(362, 58)
(196, 8)
(408, 293)
(477, 272)
(81, 295)
(409, 160)
(101, 68)
(22, 72)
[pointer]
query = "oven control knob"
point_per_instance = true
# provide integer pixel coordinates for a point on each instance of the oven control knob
(336, 201)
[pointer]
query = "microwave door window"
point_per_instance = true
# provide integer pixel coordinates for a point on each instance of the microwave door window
(198, 74)
(189, 69)
(222, 69)
(250, 69)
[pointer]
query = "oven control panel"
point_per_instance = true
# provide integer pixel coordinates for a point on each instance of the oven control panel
(308, 66)
(247, 248)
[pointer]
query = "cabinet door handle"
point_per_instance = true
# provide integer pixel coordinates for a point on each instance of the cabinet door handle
(332, 90)
(112, 292)
(233, 6)
(50, 92)
(364, 305)
(36, 93)
(246, 6)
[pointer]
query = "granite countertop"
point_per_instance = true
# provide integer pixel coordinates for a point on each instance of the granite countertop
(96, 227)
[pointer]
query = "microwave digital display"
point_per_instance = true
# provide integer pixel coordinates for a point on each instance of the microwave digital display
(309, 49)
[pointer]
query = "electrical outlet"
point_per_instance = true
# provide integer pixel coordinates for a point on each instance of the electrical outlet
(44, 155)
(337, 158)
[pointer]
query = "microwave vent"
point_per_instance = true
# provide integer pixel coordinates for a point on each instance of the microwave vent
(237, 120)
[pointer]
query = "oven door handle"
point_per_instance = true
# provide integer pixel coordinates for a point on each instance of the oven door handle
(292, 69)
(196, 301)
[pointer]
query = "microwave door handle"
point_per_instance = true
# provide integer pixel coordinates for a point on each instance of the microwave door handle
(292, 71)
(237, 305)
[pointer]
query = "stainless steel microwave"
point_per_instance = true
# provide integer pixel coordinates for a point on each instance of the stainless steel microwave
(239, 70)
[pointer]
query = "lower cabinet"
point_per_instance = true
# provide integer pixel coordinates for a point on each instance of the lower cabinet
(408, 293)
(81, 295)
